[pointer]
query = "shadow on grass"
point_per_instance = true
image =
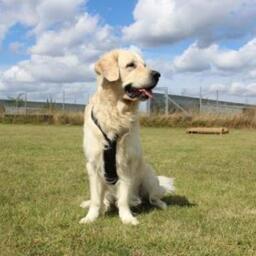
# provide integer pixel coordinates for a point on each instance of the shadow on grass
(171, 200)
(145, 207)
(177, 200)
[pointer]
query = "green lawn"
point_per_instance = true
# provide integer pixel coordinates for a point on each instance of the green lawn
(42, 183)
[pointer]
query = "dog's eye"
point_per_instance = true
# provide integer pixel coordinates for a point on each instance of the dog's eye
(131, 65)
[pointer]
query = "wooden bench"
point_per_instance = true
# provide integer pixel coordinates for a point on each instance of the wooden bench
(207, 130)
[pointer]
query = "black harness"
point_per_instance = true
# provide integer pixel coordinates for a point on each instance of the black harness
(109, 155)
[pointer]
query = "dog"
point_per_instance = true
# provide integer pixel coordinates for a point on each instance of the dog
(117, 171)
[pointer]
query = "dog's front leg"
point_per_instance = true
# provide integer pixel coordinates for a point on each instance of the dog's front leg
(124, 189)
(97, 190)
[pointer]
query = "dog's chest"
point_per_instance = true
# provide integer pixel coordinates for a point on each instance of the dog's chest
(128, 149)
(112, 155)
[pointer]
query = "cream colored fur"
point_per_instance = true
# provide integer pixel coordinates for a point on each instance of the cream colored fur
(118, 115)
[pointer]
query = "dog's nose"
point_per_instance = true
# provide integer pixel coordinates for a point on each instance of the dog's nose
(155, 74)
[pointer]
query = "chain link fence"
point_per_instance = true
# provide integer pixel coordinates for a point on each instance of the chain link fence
(162, 103)
(165, 103)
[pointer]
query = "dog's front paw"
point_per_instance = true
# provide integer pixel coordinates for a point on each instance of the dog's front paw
(87, 219)
(129, 220)
(91, 216)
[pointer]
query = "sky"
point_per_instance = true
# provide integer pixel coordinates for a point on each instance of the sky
(48, 47)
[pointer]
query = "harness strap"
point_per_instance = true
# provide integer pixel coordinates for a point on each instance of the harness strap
(109, 155)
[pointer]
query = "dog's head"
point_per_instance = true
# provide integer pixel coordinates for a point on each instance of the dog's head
(127, 70)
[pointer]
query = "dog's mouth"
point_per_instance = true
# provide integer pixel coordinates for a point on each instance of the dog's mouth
(139, 93)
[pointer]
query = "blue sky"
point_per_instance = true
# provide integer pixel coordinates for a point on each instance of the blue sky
(48, 46)
(115, 13)
(16, 33)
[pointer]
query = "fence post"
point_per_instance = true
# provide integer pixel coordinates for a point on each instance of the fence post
(63, 100)
(200, 101)
(26, 99)
(148, 106)
(217, 100)
(166, 102)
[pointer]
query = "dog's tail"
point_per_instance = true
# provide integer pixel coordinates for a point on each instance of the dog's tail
(167, 184)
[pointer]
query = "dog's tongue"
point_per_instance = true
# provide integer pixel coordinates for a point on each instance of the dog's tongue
(147, 92)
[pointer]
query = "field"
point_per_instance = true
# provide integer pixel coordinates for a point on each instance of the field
(43, 181)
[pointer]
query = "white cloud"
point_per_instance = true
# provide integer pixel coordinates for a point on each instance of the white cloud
(1, 86)
(66, 69)
(13, 11)
(231, 72)
(65, 55)
(84, 34)
(159, 22)
(233, 60)
(74, 93)
(196, 59)
(15, 74)
(217, 87)
(52, 12)
(39, 14)
(236, 89)
(16, 11)
(67, 44)
(252, 73)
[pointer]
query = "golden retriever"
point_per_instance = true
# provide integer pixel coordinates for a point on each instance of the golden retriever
(116, 168)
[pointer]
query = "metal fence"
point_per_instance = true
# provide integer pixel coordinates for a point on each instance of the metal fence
(164, 103)
(12, 107)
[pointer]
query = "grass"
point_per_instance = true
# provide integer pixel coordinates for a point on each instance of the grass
(42, 183)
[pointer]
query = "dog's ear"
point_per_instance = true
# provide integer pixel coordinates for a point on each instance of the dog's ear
(107, 66)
